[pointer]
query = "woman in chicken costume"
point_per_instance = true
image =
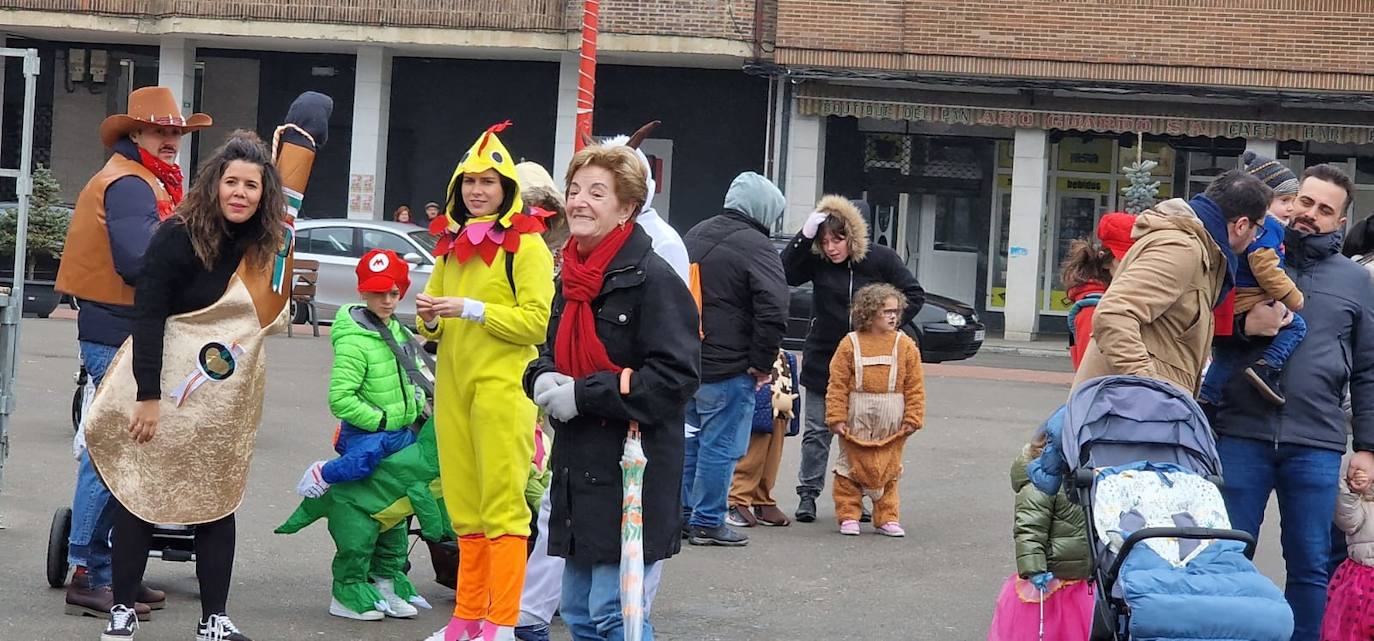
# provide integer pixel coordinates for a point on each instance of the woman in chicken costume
(487, 303)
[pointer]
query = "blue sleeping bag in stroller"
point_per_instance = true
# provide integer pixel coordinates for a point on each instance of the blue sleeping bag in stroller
(1143, 463)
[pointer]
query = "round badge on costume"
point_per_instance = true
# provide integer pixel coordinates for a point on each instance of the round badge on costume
(216, 361)
(379, 263)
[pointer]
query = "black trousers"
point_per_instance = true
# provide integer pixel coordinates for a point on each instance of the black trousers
(214, 559)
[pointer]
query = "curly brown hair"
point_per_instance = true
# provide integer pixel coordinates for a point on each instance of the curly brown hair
(1086, 262)
(204, 219)
(869, 301)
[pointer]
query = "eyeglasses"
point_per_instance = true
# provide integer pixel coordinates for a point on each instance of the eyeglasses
(890, 312)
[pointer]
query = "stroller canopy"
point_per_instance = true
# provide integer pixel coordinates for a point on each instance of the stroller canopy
(1116, 420)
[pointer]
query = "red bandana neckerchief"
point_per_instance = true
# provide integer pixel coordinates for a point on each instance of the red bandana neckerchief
(170, 176)
(578, 351)
(460, 245)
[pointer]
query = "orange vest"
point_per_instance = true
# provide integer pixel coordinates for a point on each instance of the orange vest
(87, 268)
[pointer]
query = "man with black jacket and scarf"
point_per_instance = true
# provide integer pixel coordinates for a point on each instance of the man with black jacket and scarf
(1295, 449)
(744, 303)
(833, 253)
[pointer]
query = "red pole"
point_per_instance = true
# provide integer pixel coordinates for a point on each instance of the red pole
(586, 73)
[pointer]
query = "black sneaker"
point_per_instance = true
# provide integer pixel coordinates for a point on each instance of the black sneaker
(806, 509)
(720, 535)
(1265, 380)
(865, 516)
(219, 628)
(123, 623)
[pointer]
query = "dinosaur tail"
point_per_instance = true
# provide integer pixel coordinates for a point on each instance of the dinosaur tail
(309, 511)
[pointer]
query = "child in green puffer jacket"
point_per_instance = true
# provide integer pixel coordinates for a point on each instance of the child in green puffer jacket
(376, 403)
(1049, 591)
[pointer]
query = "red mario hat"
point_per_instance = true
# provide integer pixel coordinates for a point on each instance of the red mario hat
(380, 269)
(1114, 230)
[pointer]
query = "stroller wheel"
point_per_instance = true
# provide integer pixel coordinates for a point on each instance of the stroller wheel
(58, 535)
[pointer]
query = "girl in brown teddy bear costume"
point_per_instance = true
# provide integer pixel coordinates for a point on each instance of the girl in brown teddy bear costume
(875, 400)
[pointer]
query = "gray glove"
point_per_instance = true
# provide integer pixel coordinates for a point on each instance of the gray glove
(548, 381)
(560, 402)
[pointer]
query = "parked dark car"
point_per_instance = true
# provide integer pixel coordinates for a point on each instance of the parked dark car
(945, 329)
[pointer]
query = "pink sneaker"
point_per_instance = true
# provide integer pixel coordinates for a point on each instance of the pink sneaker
(891, 528)
(849, 528)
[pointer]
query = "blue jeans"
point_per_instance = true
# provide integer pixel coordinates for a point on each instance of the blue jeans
(1306, 479)
(724, 411)
(89, 543)
(590, 603)
(1226, 360)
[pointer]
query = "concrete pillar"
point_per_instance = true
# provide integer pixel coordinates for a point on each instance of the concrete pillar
(565, 123)
(805, 171)
(176, 70)
(371, 115)
(1029, 186)
(1268, 148)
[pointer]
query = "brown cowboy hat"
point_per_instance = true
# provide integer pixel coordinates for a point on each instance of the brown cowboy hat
(154, 106)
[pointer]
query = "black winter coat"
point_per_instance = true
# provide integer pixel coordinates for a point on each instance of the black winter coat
(744, 295)
(647, 320)
(1337, 351)
(833, 287)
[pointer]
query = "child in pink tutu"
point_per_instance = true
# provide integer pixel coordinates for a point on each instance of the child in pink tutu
(1049, 597)
(1350, 597)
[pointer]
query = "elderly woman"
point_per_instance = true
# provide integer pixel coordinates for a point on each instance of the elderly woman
(620, 312)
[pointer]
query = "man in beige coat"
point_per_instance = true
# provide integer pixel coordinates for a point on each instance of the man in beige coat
(1156, 318)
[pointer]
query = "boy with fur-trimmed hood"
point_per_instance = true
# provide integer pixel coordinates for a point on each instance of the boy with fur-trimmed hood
(833, 253)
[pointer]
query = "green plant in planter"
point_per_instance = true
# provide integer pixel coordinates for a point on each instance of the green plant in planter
(48, 221)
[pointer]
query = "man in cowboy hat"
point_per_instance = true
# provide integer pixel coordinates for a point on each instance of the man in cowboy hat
(115, 215)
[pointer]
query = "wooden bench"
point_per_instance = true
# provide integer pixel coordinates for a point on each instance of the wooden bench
(304, 276)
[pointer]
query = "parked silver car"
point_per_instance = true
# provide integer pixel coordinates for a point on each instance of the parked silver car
(338, 244)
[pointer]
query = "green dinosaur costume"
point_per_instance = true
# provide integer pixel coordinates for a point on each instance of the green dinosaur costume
(367, 521)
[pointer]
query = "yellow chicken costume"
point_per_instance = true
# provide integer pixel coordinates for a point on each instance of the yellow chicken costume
(504, 272)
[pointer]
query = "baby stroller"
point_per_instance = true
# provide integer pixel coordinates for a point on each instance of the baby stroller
(169, 542)
(1166, 562)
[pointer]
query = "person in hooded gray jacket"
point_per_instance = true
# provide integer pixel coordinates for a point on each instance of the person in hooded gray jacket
(744, 301)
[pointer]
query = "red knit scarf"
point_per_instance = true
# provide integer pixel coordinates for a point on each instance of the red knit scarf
(169, 175)
(578, 351)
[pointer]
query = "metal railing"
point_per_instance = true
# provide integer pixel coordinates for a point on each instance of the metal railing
(13, 301)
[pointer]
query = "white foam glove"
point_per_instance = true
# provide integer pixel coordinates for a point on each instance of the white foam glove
(559, 402)
(550, 380)
(420, 602)
(813, 223)
(312, 484)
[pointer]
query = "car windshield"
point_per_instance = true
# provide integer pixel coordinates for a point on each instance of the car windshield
(424, 239)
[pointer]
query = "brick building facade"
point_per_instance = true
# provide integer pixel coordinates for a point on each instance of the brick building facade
(986, 135)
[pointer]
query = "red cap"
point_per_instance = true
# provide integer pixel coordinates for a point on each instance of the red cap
(380, 269)
(1114, 230)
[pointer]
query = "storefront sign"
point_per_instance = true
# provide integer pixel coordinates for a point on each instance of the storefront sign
(1094, 185)
(1113, 123)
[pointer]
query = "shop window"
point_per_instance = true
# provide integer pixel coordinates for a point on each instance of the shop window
(887, 151)
(1364, 170)
(1087, 155)
(1163, 155)
(956, 224)
(952, 158)
(1204, 166)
